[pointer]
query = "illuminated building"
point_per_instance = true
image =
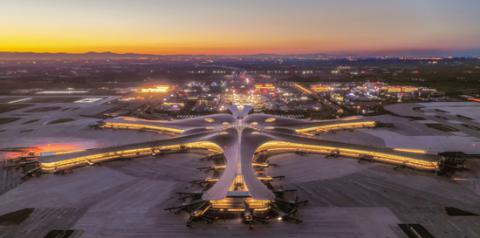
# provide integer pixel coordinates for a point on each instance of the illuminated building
(303, 89)
(337, 97)
(244, 141)
(266, 87)
(400, 89)
(156, 89)
(320, 88)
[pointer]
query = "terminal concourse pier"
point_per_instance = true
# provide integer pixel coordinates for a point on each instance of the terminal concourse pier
(239, 146)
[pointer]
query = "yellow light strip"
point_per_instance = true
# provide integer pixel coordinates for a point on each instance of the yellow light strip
(238, 184)
(339, 126)
(122, 125)
(350, 118)
(415, 151)
(233, 204)
(157, 89)
(412, 162)
(235, 209)
(230, 204)
(265, 178)
(212, 180)
(209, 120)
(51, 167)
(264, 165)
(303, 89)
(200, 213)
(220, 166)
(270, 120)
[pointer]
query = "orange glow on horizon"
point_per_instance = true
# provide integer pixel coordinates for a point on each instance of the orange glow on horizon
(180, 46)
(236, 27)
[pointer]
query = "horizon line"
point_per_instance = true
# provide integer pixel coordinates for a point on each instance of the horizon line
(331, 53)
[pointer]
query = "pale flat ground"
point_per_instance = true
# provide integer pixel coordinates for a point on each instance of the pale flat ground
(469, 109)
(446, 113)
(77, 132)
(346, 198)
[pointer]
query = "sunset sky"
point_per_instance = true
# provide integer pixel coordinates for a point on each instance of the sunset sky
(237, 27)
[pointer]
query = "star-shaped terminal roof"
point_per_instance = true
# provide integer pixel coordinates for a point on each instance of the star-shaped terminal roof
(241, 137)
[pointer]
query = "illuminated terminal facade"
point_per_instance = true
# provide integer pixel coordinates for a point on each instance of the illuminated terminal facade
(321, 88)
(265, 87)
(156, 89)
(239, 144)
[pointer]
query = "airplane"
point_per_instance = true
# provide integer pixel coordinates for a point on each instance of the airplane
(333, 154)
(263, 165)
(281, 192)
(36, 171)
(191, 195)
(21, 163)
(294, 203)
(301, 153)
(286, 216)
(205, 183)
(270, 178)
(185, 206)
(249, 217)
(199, 213)
(196, 209)
(286, 209)
(212, 168)
(214, 157)
(365, 158)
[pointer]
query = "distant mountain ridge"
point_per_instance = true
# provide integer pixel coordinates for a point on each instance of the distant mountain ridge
(112, 55)
(34, 55)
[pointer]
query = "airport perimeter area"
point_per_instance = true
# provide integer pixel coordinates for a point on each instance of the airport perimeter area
(127, 177)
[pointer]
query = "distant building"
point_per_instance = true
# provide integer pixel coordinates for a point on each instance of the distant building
(156, 89)
(320, 88)
(265, 87)
(400, 89)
